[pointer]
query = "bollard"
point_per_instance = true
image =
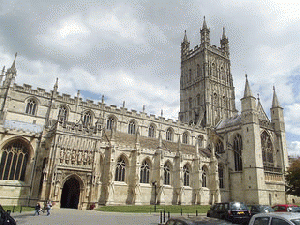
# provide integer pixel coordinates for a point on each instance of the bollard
(168, 215)
(181, 211)
(164, 216)
(160, 217)
(21, 209)
(196, 212)
(14, 209)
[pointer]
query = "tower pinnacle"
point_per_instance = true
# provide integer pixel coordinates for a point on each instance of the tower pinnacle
(275, 102)
(247, 91)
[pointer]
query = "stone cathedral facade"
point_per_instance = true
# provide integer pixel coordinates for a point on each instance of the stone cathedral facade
(78, 153)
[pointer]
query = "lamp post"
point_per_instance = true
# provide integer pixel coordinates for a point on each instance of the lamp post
(154, 183)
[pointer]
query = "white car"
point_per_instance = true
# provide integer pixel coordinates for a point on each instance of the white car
(276, 218)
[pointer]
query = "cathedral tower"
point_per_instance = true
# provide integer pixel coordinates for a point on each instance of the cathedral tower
(206, 87)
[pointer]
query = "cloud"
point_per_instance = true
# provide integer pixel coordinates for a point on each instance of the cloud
(294, 148)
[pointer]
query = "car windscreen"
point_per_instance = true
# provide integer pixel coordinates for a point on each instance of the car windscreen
(294, 209)
(267, 209)
(238, 206)
(296, 221)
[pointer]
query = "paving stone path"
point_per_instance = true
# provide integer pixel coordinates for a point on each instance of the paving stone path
(74, 217)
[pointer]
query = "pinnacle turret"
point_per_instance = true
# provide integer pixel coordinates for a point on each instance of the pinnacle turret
(185, 40)
(275, 102)
(204, 26)
(247, 91)
(223, 35)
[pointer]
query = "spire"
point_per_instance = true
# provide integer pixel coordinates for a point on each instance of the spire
(223, 36)
(13, 66)
(55, 87)
(204, 26)
(247, 92)
(275, 102)
(185, 37)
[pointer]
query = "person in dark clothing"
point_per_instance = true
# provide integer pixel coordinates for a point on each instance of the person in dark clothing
(37, 209)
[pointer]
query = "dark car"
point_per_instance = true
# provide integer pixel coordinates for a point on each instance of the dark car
(236, 212)
(200, 220)
(5, 218)
(260, 209)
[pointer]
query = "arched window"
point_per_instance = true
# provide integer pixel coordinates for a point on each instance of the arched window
(169, 134)
(267, 149)
(221, 176)
(14, 161)
(31, 107)
(145, 172)
(237, 148)
(151, 131)
(87, 119)
(219, 147)
(120, 170)
(167, 174)
(62, 114)
(185, 138)
(186, 176)
(198, 70)
(110, 123)
(131, 127)
(204, 176)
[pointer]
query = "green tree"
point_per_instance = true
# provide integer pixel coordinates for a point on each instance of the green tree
(293, 178)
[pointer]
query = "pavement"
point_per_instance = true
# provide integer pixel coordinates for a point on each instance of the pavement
(82, 217)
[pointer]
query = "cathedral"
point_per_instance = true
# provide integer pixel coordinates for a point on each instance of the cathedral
(78, 153)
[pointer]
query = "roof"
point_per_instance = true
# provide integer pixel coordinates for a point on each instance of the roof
(229, 122)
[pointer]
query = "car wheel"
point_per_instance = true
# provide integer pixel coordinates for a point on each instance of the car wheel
(208, 215)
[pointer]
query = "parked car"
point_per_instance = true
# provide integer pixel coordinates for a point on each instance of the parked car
(5, 217)
(236, 212)
(283, 207)
(254, 209)
(276, 218)
(295, 209)
(199, 220)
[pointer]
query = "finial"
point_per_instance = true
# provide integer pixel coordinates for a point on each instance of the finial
(16, 55)
(144, 108)
(204, 24)
(246, 76)
(102, 100)
(162, 113)
(123, 104)
(78, 93)
(273, 88)
(257, 96)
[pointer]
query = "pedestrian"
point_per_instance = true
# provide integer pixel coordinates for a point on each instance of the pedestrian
(48, 207)
(37, 209)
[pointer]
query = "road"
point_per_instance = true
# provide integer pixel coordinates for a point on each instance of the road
(81, 217)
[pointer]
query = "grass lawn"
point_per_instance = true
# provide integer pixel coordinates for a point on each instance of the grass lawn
(17, 208)
(191, 209)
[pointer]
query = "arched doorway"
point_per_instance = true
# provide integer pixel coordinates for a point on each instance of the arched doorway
(70, 194)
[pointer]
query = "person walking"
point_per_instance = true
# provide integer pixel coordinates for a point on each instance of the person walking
(37, 209)
(48, 207)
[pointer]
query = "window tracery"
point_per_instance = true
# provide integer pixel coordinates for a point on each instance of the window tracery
(237, 148)
(31, 107)
(185, 138)
(14, 161)
(110, 123)
(120, 170)
(204, 176)
(145, 172)
(169, 134)
(62, 114)
(167, 174)
(151, 131)
(186, 176)
(87, 119)
(131, 127)
(267, 149)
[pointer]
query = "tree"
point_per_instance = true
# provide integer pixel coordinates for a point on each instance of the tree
(293, 178)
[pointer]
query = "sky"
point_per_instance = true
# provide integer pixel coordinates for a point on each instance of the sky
(130, 50)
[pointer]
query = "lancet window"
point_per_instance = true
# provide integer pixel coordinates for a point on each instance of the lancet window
(237, 148)
(120, 170)
(131, 127)
(167, 174)
(151, 131)
(185, 138)
(31, 107)
(87, 119)
(145, 172)
(110, 123)
(267, 149)
(219, 147)
(204, 176)
(221, 176)
(14, 161)
(62, 114)
(186, 176)
(169, 134)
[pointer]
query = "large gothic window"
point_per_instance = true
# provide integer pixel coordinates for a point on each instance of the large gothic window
(31, 107)
(145, 172)
(131, 127)
(204, 176)
(237, 148)
(120, 170)
(151, 131)
(169, 134)
(87, 119)
(167, 174)
(186, 176)
(110, 123)
(62, 114)
(185, 138)
(267, 149)
(14, 161)
(221, 176)
(219, 147)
